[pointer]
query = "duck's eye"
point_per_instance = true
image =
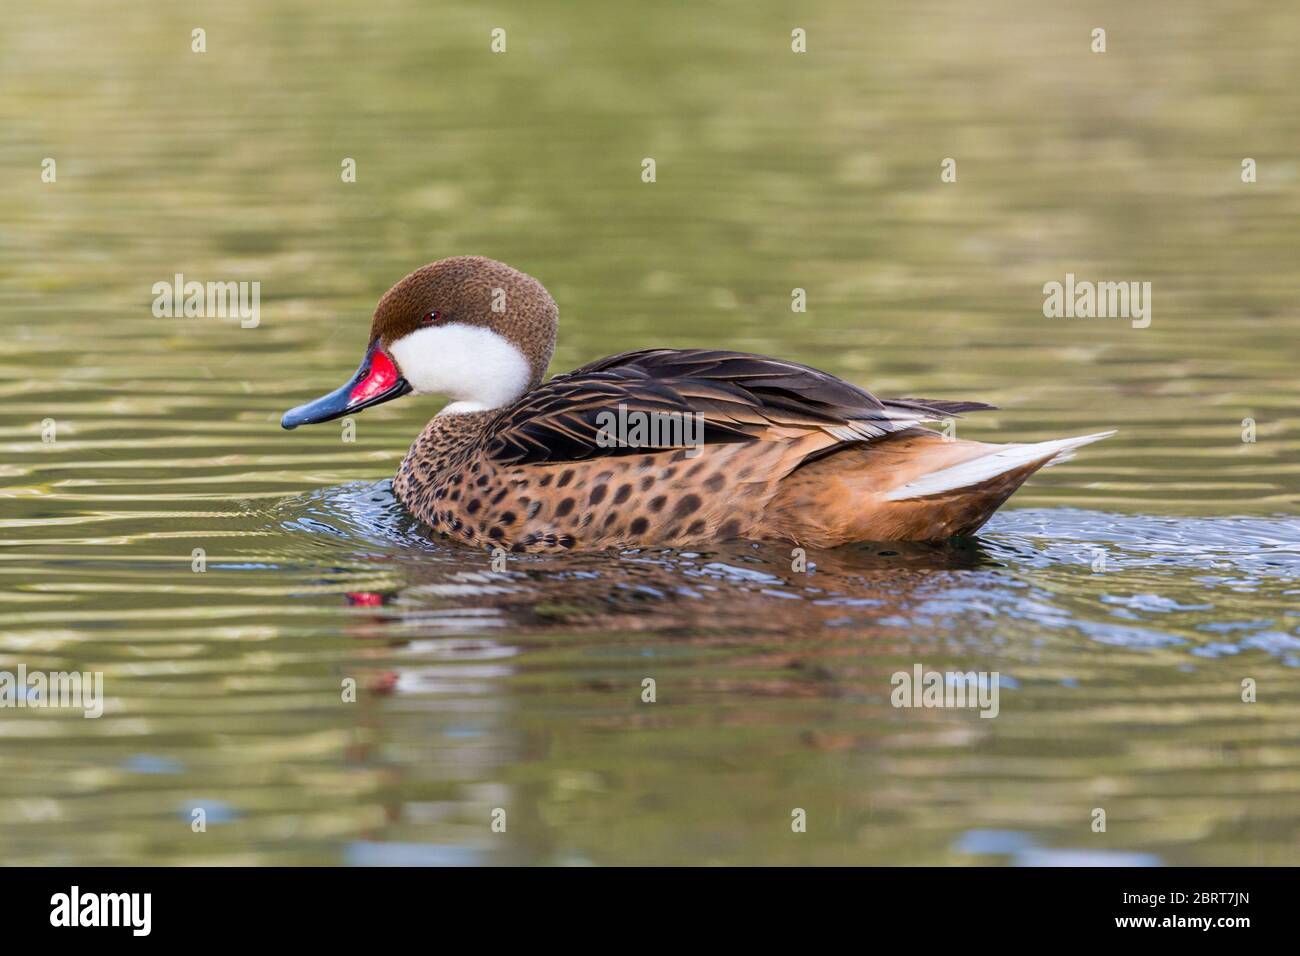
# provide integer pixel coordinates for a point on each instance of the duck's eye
(429, 319)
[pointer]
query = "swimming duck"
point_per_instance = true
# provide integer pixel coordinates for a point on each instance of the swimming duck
(657, 447)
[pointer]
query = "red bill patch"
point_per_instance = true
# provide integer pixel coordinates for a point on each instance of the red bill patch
(381, 377)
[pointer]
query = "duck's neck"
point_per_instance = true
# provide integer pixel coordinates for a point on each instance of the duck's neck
(463, 408)
(449, 434)
(438, 457)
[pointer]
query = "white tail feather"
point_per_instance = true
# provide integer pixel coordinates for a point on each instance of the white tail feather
(1005, 458)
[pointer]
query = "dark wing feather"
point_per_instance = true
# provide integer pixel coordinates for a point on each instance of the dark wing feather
(739, 396)
(940, 408)
(757, 373)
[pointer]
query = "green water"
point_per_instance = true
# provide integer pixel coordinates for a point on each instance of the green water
(521, 689)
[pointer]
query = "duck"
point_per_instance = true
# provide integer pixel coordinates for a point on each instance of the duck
(653, 448)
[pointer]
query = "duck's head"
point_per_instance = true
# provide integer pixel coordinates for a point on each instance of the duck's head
(470, 328)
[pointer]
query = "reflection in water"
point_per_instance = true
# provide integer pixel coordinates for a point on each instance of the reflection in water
(1019, 849)
(520, 690)
(502, 674)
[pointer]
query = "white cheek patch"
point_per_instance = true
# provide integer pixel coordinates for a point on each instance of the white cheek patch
(473, 366)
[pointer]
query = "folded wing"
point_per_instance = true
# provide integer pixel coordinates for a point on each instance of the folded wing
(739, 397)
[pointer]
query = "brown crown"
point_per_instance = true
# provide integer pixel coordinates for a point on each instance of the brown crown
(463, 290)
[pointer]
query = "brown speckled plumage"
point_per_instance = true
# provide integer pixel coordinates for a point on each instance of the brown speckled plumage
(789, 452)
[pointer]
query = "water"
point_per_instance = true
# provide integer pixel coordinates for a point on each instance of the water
(1123, 597)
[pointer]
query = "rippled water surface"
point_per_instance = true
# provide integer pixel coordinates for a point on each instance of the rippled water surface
(1123, 598)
